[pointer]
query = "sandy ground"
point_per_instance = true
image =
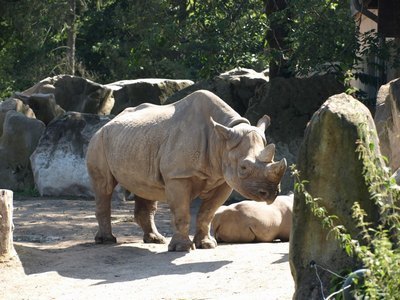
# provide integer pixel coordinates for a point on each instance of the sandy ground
(57, 259)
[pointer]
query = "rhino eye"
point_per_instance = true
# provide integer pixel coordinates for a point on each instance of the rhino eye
(243, 170)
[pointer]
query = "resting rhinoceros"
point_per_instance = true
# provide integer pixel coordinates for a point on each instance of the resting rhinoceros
(196, 147)
(250, 221)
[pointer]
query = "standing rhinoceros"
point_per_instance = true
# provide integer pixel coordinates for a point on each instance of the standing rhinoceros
(196, 147)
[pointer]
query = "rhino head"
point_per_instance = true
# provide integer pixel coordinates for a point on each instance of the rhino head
(248, 163)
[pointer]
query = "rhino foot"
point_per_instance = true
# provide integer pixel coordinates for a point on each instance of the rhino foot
(207, 242)
(99, 239)
(180, 243)
(154, 238)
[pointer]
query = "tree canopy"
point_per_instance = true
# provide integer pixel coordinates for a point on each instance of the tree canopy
(129, 39)
(112, 40)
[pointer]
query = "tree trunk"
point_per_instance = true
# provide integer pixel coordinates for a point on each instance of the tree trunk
(275, 37)
(6, 225)
(71, 36)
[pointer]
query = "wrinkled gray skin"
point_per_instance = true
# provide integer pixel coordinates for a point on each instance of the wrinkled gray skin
(196, 147)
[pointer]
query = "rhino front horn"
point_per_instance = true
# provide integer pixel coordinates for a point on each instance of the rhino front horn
(267, 154)
(275, 171)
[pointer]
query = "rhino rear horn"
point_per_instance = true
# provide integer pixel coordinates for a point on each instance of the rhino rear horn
(275, 171)
(264, 123)
(267, 154)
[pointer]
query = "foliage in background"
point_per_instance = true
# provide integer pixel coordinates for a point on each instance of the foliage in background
(176, 39)
(188, 39)
(377, 248)
(33, 37)
(129, 39)
(322, 36)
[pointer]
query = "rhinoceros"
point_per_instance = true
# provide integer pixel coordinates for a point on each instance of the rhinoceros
(250, 221)
(196, 147)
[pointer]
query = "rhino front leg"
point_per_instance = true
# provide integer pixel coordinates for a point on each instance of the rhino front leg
(210, 203)
(178, 194)
(145, 211)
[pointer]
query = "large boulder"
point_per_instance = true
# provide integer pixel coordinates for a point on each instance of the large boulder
(387, 120)
(44, 105)
(16, 105)
(290, 103)
(130, 93)
(75, 93)
(329, 162)
(19, 138)
(236, 87)
(58, 163)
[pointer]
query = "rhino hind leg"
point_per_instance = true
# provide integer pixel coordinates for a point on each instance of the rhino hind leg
(209, 206)
(103, 184)
(145, 211)
(103, 215)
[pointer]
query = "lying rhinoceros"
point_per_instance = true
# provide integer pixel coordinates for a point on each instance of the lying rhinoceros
(250, 221)
(196, 147)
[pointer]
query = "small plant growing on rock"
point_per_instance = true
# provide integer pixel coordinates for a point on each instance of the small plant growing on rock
(377, 247)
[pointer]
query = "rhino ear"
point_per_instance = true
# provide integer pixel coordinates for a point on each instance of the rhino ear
(264, 123)
(229, 135)
(267, 154)
(222, 131)
(275, 171)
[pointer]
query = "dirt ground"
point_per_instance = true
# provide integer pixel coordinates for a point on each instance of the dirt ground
(58, 259)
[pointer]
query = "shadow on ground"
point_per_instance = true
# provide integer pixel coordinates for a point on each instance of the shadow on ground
(109, 263)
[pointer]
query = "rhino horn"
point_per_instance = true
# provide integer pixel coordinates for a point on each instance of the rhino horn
(264, 123)
(267, 154)
(274, 171)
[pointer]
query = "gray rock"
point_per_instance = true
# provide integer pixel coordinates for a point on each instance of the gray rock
(74, 93)
(16, 105)
(58, 163)
(290, 103)
(235, 87)
(329, 161)
(387, 120)
(130, 93)
(19, 139)
(44, 105)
